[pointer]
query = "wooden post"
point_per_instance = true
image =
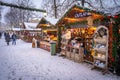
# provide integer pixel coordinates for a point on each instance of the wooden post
(110, 39)
(59, 38)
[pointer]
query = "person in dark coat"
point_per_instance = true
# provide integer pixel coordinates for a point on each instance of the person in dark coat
(14, 37)
(0, 35)
(7, 38)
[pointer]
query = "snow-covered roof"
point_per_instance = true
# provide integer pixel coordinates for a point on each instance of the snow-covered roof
(16, 29)
(51, 20)
(30, 26)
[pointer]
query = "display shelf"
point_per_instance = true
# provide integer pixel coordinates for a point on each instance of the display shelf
(99, 66)
(68, 52)
(99, 58)
(74, 53)
(64, 43)
(100, 48)
(101, 40)
(103, 50)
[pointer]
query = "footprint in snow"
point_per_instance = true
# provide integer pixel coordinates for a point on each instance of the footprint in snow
(14, 79)
(49, 70)
(34, 78)
(13, 73)
(9, 77)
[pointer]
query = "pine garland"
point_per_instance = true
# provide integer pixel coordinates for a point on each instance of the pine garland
(116, 35)
(20, 7)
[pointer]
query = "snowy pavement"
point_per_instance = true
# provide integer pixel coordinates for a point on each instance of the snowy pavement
(22, 62)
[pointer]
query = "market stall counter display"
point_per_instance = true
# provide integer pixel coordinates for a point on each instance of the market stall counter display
(101, 48)
(64, 42)
(76, 42)
(45, 45)
(48, 32)
(47, 37)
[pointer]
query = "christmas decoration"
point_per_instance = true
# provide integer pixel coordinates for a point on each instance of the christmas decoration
(116, 16)
(20, 7)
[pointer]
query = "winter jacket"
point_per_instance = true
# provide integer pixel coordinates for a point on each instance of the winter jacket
(7, 37)
(14, 37)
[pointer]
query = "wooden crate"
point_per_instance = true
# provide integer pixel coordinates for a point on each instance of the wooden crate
(63, 53)
(72, 56)
(78, 58)
(48, 48)
(68, 54)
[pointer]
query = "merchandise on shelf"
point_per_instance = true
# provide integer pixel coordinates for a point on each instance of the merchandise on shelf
(101, 48)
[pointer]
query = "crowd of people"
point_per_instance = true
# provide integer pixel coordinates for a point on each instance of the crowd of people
(9, 37)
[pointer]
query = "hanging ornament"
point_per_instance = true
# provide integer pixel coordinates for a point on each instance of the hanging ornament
(101, 18)
(108, 17)
(116, 16)
(112, 59)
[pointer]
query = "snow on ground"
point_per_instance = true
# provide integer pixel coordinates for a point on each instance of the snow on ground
(22, 62)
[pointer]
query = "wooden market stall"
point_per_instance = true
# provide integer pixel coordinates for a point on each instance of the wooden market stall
(48, 33)
(77, 27)
(76, 37)
(81, 37)
(29, 31)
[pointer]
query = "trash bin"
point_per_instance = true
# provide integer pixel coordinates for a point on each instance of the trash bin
(53, 48)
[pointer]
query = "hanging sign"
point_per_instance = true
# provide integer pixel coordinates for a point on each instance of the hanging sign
(82, 14)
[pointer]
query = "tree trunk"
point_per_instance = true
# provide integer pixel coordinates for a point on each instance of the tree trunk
(55, 9)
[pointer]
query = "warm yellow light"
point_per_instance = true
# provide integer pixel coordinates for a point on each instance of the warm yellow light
(81, 10)
(45, 31)
(93, 28)
(44, 25)
(45, 14)
(83, 31)
(71, 19)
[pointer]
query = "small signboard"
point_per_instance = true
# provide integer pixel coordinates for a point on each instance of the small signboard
(82, 14)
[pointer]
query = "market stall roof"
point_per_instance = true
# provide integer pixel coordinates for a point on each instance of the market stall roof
(16, 29)
(79, 14)
(30, 26)
(47, 22)
(53, 21)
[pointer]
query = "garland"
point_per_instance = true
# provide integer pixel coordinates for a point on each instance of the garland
(20, 7)
(116, 40)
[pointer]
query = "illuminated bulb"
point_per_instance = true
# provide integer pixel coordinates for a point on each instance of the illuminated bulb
(45, 14)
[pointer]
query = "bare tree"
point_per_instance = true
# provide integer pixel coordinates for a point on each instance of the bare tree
(16, 16)
(11, 17)
(0, 12)
(55, 7)
(51, 7)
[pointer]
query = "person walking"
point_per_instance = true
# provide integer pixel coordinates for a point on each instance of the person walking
(14, 37)
(7, 38)
(0, 35)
